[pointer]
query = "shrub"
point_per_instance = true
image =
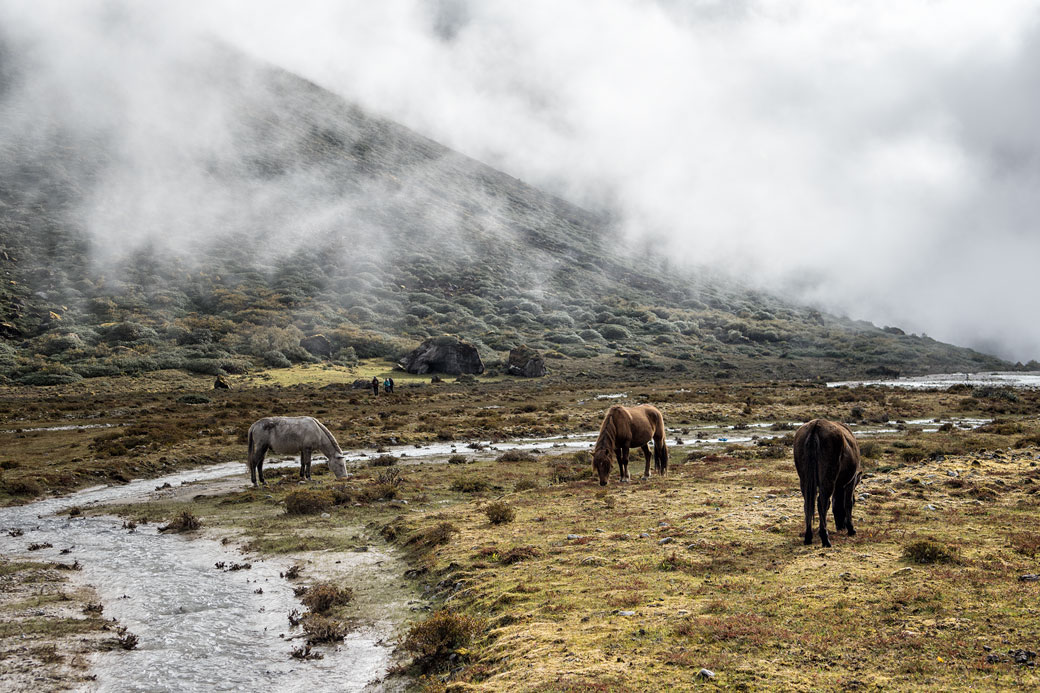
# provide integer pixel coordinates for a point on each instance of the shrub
(499, 513)
(323, 596)
(469, 485)
(194, 398)
(458, 459)
(320, 629)
(515, 456)
(928, 551)
(525, 485)
(308, 502)
(432, 537)
(432, 642)
(36, 379)
(185, 522)
(383, 461)
(519, 553)
(614, 332)
(276, 359)
(23, 487)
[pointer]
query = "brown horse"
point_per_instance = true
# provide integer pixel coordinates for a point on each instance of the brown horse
(827, 458)
(629, 427)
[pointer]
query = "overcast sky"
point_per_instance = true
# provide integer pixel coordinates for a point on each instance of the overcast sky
(880, 160)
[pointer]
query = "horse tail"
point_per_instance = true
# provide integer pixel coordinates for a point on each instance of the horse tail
(252, 447)
(661, 444)
(812, 461)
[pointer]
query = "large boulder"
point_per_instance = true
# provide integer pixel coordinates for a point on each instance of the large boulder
(318, 345)
(444, 355)
(525, 361)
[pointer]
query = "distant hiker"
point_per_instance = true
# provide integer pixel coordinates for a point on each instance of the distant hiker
(386, 385)
(375, 385)
(391, 381)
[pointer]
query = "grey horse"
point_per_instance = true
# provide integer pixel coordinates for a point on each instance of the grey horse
(291, 434)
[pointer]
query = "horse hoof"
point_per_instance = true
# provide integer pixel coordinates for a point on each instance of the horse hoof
(852, 532)
(825, 541)
(808, 541)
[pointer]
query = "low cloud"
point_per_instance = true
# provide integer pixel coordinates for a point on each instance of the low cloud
(879, 164)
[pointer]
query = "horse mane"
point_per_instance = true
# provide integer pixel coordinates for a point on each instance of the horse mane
(329, 437)
(608, 431)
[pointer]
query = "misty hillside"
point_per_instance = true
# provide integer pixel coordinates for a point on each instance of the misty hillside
(251, 209)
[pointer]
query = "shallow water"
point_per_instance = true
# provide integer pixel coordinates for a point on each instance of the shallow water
(200, 628)
(943, 381)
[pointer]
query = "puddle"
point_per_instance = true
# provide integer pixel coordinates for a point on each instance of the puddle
(200, 628)
(943, 381)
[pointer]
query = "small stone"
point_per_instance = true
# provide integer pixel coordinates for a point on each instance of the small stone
(572, 537)
(600, 530)
(666, 540)
(626, 613)
(903, 571)
(706, 674)
(644, 535)
(662, 524)
(326, 515)
(1029, 577)
(952, 473)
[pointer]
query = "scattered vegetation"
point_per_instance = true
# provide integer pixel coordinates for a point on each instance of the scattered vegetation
(325, 595)
(184, 522)
(499, 513)
(434, 641)
(308, 502)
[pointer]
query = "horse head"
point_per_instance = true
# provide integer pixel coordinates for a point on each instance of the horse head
(602, 461)
(338, 465)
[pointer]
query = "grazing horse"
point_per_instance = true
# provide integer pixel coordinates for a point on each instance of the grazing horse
(827, 458)
(629, 427)
(291, 434)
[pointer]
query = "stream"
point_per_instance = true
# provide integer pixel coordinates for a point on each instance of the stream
(202, 628)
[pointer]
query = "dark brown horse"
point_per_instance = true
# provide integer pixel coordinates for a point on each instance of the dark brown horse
(625, 428)
(827, 458)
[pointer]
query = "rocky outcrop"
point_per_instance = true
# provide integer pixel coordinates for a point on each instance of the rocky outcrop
(444, 355)
(221, 383)
(317, 345)
(525, 361)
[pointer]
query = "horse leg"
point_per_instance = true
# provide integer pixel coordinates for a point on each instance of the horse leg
(823, 505)
(622, 456)
(258, 466)
(850, 499)
(305, 463)
(646, 454)
(809, 502)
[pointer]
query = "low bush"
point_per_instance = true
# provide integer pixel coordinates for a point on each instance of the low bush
(320, 629)
(323, 596)
(185, 522)
(515, 456)
(308, 502)
(928, 551)
(383, 461)
(194, 398)
(433, 642)
(469, 485)
(458, 459)
(499, 513)
(519, 553)
(432, 537)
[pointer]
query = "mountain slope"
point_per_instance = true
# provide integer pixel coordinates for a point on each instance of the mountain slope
(216, 236)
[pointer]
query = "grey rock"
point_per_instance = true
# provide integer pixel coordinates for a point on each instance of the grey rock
(706, 674)
(666, 540)
(444, 355)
